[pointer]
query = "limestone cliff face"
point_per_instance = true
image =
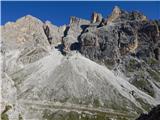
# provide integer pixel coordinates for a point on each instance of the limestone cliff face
(27, 37)
(22, 33)
(119, 15)
(72, 33)
(54, 34)
(96, 17)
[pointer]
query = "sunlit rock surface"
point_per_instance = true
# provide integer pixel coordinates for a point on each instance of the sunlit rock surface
(106, 69)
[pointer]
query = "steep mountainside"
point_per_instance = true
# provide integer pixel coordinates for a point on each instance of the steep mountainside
(103, 69)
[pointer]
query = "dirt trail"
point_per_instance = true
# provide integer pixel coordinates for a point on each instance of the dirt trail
(74, 107)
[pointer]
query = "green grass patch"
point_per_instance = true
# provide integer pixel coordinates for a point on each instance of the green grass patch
(145, 86)
(61, 115)
(131, 65)
(155, 75)
(152, 61)
(4, 115)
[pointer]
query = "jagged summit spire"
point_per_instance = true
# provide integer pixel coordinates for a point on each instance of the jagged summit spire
(115, 14)
(116, 10)
(96, 17)
(74, 19)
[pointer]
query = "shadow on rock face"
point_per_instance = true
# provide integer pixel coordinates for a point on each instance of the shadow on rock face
(60, 47)
(75, 46)
(154, 114)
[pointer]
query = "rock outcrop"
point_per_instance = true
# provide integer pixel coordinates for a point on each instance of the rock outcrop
(21, 36)
(72, 33)
(54, 33)
(96, 17)
(115, 14)
(119, 15)
(22, 33)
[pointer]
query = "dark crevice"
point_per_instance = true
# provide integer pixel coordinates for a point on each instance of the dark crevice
(66, 31)
(156, 52)
(79, 43)
(47, 33)
(75, 46)
(60, 47)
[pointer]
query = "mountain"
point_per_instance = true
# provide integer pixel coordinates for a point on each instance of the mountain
(103, 69)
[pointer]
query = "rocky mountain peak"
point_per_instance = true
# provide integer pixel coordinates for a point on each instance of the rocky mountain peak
(116, 10)
(77, 21)
(24, 19)
(29, 19)
(26, 31)
(107, 62)
(74, 20)
(119, 15)
(114, 15)
(96, 17)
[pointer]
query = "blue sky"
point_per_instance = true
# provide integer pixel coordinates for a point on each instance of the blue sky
(59, 12)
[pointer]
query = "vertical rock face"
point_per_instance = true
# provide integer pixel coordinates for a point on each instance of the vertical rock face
(121, 38)
(128, 43)
(76, 26)
(128, 31)
(72, 33)
(54, 33)
(96, 17)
